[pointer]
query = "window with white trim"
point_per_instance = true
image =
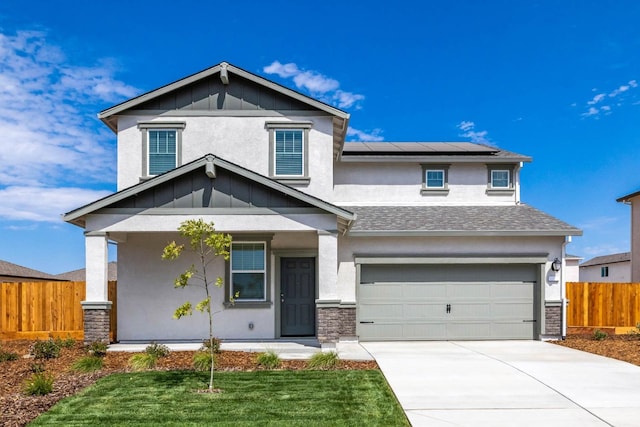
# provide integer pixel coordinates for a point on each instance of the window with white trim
(289, 152)
(604, 271)
(434, 178)
(500, 178)
(248, 271)
(163, 150)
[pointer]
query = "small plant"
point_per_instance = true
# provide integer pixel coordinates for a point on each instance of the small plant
(97, 348)
(39, 384)
(157, 350)
(206, 345)
(635, 332)
(599, 335)
(7, 356)
(323, 360)
(68, 342)
(48, 349)
(88, 364)
(268, 360)
(202, 361)
(142, 361)
(36, 368)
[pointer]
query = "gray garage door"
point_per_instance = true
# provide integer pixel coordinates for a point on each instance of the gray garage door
(450, 302)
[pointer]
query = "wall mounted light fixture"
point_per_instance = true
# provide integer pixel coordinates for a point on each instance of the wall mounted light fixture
(556, 264)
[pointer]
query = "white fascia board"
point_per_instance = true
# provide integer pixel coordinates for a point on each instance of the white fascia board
(463, 233)
(454, 259)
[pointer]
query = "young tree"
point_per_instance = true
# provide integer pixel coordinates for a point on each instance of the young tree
(207, 245)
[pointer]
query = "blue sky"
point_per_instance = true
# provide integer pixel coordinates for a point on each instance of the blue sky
(558, 81)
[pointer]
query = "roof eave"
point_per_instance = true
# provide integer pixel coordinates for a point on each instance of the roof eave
(431, 159)
(461, 233)
(628, 197)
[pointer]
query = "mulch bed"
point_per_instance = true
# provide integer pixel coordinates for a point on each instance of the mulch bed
(621, 347)
(18, 409)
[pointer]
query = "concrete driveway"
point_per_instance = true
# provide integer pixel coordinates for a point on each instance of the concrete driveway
(508, 383)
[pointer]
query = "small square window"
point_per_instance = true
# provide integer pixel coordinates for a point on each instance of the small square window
(604, 272)
(500, 179)
(248, 271)
(435, 179)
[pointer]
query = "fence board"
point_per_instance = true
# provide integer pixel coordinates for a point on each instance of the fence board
(603, 304)
(30, 310)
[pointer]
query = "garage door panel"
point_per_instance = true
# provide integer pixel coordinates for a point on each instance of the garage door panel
(467, 307)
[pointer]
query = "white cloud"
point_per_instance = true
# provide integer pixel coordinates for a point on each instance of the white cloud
(598, 223)
(49, 132)
(603, 249)
(317, 84)
(358, 135)
(593, 110)
(43, 204)
(468, 131)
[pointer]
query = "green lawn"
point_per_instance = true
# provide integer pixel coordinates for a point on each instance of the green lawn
(248, 398)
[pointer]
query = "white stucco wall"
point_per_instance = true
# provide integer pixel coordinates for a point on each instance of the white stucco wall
(241, 140)
(619, 272)
(441, 246)
(572, 269)
(400, 184)
(147, 298)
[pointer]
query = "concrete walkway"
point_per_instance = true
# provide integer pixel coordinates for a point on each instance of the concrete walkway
(508, 383)
(288, 350)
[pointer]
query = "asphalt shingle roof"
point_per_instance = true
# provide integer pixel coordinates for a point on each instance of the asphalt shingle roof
(15, 270)
(607, 259)
(80, 275)
(458, 219)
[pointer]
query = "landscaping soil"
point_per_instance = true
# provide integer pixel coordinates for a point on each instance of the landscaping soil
(621, 347)
(18, 409)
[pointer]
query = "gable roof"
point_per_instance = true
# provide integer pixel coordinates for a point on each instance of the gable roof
(80, 275)
(428, 152)
(513, 220)
(340, 118)
(10, 269)
(628, 197)
(607, 259)
(209, 162)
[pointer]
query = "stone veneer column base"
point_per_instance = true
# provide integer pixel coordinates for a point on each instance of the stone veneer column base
(553, 320)
(335, 321)
(97, 321)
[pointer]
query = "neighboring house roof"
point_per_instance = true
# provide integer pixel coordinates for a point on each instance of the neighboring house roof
(209, 163)
(80, 275)
(574, 257)
(340, 118)
(9, 269)
(428, 151)
(515, 220)
(628, 197)
(607, 259)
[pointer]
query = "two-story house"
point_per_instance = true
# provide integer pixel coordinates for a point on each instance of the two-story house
(334, 240)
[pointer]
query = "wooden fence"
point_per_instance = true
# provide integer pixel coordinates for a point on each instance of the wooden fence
(615, 305)
(30, 310)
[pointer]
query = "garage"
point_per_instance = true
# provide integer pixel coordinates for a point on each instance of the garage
(447, 301)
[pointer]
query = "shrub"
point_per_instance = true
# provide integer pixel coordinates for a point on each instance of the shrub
(268, 360)
(206, 345)
(97, 348)
(48, 349)
(599, 335)
(202, 361)
(7, 356)
(157, 350)
(142, 361)
(88, 364)
(68, 342)
(323, 360)
(635, 332)
(39, 384)
(36, 368)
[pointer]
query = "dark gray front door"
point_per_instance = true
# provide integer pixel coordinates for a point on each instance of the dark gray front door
(297, 297)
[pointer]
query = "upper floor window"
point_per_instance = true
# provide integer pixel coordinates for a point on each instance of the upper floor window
(161, 146)
(435, 179)
(289, 151)
(163, 151)
(604, 272)
(499, 179)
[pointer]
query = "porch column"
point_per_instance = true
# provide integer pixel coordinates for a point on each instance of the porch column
(96, 307)
(335, 320)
